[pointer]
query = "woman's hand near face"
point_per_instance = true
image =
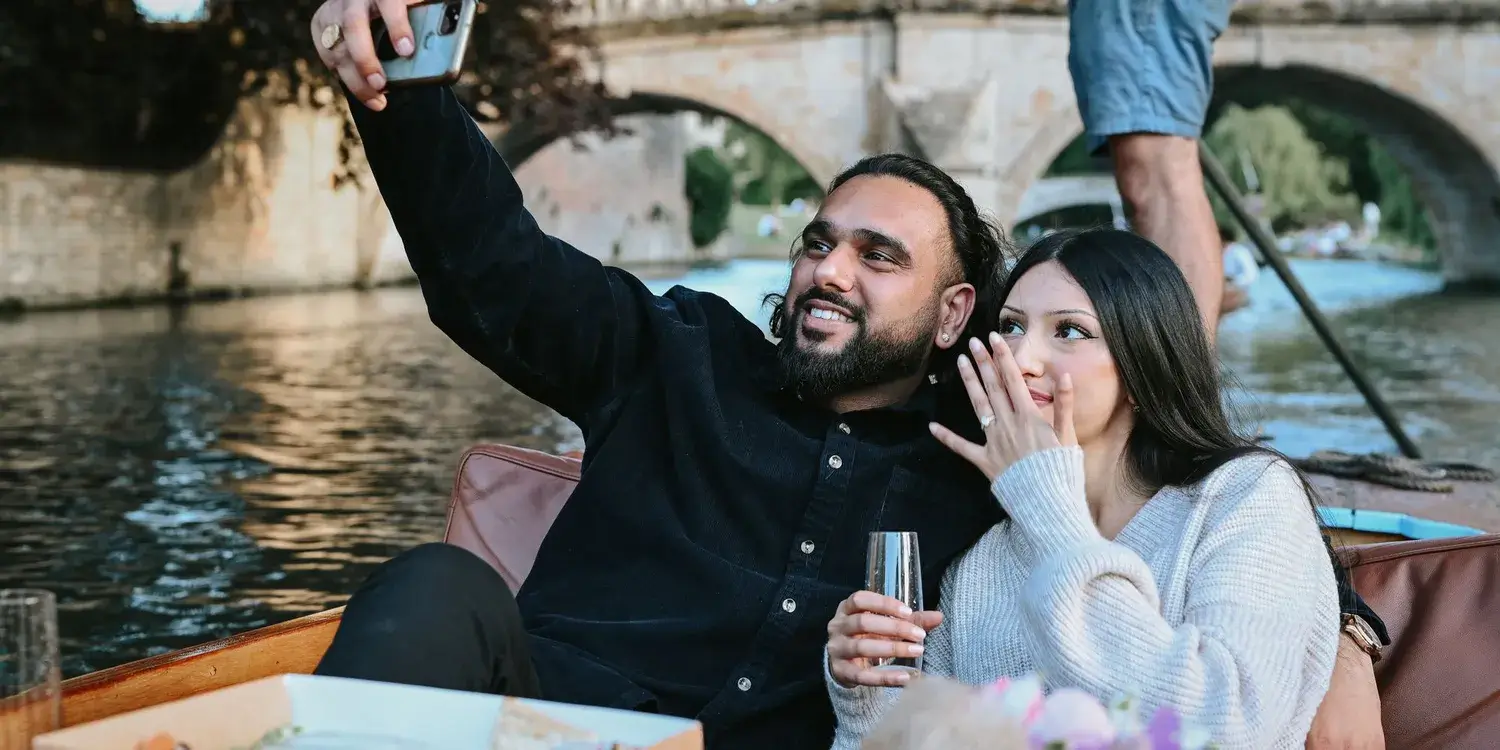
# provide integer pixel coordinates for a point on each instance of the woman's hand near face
(869, 626)
(1014, 427)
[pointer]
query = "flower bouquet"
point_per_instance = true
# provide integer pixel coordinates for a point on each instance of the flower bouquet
(1016, 714)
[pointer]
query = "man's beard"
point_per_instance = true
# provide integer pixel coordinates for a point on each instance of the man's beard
(866, 360)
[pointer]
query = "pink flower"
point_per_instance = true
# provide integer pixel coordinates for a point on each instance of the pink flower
(1073, 718)
(1019, 699)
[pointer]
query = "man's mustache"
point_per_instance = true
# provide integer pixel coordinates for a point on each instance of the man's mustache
(856, 313)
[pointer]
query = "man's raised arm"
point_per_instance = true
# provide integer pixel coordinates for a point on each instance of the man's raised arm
(549, 319)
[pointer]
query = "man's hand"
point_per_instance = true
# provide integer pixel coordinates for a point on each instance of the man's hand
(341, 33)
(1349, 717)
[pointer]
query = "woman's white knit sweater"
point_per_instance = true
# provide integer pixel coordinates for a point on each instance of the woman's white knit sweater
(1217, 599)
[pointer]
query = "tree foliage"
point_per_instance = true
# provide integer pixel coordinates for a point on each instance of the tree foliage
(710, 194)
(765, 173)
(1300, 183)
(93, 82)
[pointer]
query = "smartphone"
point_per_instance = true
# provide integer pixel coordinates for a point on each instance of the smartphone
(440, 30)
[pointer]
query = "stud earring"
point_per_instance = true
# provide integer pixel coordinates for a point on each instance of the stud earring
(946, 337)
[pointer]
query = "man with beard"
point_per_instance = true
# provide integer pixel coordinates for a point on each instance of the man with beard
(729, 483)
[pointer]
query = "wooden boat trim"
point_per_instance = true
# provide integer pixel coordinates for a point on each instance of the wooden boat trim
(294, 646)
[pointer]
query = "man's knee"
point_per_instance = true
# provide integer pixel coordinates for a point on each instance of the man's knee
(1151, 168)
(432, 578)
(442, 559)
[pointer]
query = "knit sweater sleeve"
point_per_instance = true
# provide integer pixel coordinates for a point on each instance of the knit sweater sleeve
(859, 709)
(1259, 633)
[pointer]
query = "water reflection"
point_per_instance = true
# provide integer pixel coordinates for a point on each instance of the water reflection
(182, 475)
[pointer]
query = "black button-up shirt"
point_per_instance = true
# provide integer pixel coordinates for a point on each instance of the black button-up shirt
(719, 519)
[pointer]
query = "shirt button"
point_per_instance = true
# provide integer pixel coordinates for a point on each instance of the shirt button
(808, 546)
(743, 684)
(789, 605)
(843, 428)
(835, 461)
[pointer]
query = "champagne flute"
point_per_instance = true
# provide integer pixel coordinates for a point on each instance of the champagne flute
(30, 694)
(893, 567)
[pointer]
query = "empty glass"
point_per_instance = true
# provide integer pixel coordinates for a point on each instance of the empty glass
(30, 695)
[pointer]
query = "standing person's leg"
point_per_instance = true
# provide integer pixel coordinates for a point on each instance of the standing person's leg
(436, 616)
(1143, 75)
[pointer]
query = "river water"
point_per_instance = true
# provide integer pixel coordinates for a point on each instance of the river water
(181, 475)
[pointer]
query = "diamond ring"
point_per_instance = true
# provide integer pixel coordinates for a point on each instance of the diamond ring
(986, 420)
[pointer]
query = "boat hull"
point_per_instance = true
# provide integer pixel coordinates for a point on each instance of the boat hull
(294, 646)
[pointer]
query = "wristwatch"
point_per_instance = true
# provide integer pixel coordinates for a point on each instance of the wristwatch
(1362, 634)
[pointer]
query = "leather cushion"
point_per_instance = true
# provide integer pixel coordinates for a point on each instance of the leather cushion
(504, 501)
(1440, 600)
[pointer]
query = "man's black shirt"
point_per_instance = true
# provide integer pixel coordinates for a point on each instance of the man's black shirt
(719, 519)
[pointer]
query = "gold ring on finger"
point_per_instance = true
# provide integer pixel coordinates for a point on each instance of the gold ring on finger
(332, 35)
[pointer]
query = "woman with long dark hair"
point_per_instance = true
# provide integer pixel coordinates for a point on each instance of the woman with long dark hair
(1149, 550)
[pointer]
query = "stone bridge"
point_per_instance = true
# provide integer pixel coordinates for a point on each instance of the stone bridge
(980, 87)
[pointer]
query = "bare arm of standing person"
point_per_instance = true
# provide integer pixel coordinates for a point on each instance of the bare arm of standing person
(547, 318)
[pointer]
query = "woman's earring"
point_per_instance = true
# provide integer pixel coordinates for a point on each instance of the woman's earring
(946, 337)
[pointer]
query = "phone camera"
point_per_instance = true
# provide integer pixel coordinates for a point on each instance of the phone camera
(450, 17)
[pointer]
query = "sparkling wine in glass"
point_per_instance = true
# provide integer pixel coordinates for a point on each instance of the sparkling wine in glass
(893, 567)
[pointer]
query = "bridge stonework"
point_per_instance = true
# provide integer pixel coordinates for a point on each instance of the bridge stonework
(989, 98)
(984, 93)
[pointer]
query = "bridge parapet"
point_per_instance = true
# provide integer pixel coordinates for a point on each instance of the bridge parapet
(627, 12)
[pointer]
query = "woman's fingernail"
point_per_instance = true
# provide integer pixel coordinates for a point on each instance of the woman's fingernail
(903, 677)
(905, 611)
(376, 81)
(919, 634)
(916, 650)
(404, 47)
(975, 344)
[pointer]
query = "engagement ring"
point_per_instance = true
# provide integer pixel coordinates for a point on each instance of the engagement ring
(985, 421)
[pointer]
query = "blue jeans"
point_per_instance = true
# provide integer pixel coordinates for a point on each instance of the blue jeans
(1143, 66)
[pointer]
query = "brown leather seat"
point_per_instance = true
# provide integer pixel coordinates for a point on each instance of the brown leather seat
(1440, 678)
(504, 500)
(1440, 599)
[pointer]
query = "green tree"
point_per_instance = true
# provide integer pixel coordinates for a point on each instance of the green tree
(1300, 184)
(1402, 215)
(710, 195)
(765, 174)
(93, 82)
(1374, 175)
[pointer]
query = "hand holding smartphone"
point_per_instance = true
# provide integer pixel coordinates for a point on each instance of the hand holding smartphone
(440, 30)
(353, 39)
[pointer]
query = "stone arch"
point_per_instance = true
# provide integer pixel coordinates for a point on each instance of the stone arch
(523, 140)
(1455, 178)
(622, 201)
(1055, 193)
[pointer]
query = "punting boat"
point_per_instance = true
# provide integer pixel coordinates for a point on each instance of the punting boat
(1435, 581)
